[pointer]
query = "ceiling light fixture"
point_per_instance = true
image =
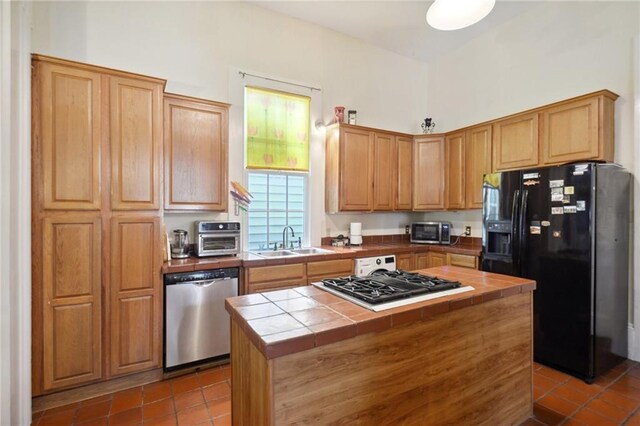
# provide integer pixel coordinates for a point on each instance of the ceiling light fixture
(455, 14)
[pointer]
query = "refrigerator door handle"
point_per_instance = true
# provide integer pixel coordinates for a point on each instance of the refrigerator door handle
(522, 234)
(515, 248)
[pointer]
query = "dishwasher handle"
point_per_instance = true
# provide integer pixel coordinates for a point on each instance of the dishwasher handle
(205, 283)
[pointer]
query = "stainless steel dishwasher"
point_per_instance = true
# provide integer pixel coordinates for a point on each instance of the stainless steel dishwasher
(196, 324)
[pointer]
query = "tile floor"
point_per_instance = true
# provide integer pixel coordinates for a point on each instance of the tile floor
(204, 398)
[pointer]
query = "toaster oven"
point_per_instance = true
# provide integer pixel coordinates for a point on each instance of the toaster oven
(217, 238)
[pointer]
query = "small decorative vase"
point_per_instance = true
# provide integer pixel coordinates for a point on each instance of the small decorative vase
(339, 111)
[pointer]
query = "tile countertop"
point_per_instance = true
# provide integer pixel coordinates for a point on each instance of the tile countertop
(247, 259)
(282, 322)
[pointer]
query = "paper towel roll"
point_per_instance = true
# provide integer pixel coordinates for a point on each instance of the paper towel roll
(356, 228)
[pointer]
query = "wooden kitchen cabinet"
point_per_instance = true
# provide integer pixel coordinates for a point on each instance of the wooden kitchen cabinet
(436, 259)
(428, 172)
(196, 145)
(67, 105)
(349, 169)
(366, 169)
(477, 164)
(96, 145)
(136, 292)
(136, 143)
(515, 142)
(267, 278)
(317, 271)
(421, 260)
(71, 302)
(462, 260)
(578, 130)
(404, 173)
(384, 152)
(405, 262)
(454, 171)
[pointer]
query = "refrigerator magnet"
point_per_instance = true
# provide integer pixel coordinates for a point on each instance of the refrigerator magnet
(556, 183)
(581, 205)
(556, 191)
(566, 199)
(568, 190)
(534, 230)
(569, 209)
(534, 175)
(557, 234)
(557, 210)
(545, 223)
(557, 197)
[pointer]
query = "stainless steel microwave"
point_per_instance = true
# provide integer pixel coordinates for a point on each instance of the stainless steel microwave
(431, 232)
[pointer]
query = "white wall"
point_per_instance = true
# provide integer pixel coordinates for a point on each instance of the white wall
(196, 45)
(553, 51)
(15, 216)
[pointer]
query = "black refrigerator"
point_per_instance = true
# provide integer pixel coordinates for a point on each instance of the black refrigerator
(566, 227)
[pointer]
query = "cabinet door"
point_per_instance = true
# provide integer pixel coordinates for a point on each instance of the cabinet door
(463, 260)
(404, 173)
(71, 318)
(195, 154)
(356, 170)
(436, 259)
(317, 271)
(454, 170)
(515, 142)
(67, 136)
(477, 163)
(266, 278)
(383, 171)
(405, 262)
(136, 143)
(570, 132)
(422, 260)
(136, 316)
(428, 173)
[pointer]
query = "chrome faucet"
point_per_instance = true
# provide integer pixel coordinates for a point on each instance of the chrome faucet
(284, 236)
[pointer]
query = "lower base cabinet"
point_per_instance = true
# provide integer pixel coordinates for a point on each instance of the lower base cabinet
(432, 259)
(268, 278)
(317, 271)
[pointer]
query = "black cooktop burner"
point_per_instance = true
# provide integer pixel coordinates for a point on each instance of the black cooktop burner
(385, 286)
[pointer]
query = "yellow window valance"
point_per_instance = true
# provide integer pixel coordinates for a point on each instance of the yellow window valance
(277, 130)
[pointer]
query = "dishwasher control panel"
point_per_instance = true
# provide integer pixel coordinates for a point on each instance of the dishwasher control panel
(212, 274)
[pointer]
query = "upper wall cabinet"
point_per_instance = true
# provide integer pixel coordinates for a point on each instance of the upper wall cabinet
(477, 163)
(429, 172)
(136, 143)
(454, 170)
(515, 142)
(68, 103)
(367, 169)
(195, 153)
(579, 130)
(404, 173)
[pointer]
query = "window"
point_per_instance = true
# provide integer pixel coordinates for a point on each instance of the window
(279, 201)
(277, 156)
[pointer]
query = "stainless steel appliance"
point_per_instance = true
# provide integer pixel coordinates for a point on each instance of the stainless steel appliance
(217, 238)
(180, 246)
(196, 324)
(369, 265)
(389, 289)
(431, 232)
(566, 227)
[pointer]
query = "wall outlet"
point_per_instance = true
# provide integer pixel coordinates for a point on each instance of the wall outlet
(467, 231)
(406, 229)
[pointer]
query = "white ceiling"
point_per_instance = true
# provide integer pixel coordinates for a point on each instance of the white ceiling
(396, 25)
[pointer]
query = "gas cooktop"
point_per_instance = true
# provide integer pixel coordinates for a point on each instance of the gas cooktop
(389, 289)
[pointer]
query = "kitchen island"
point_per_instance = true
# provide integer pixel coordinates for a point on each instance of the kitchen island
(305, 356)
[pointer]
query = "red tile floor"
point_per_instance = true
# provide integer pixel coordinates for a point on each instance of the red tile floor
(203, 398)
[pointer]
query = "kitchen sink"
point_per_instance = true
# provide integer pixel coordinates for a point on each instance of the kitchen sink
(310, 250)
(275, 253)
(291, 252)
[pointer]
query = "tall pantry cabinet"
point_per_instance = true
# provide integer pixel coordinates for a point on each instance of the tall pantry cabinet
(96, 238)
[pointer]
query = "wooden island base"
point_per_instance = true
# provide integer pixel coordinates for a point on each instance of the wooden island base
(469, 366)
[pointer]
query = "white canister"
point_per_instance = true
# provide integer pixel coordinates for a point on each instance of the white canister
(355, 233)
